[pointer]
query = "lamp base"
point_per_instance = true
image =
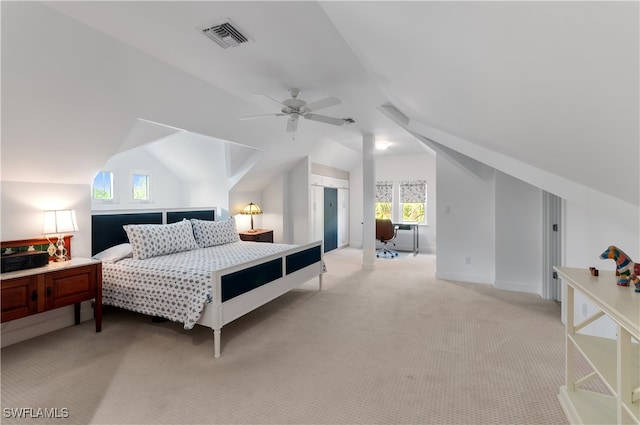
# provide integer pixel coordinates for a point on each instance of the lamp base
(61, 251)
(251, 231)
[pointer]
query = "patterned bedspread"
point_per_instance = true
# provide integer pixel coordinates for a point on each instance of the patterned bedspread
(175, 286)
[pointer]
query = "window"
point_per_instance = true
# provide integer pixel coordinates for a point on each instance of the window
(102, 188)
(403, 202)
(413, 199)
(140, 187)
(384, 198)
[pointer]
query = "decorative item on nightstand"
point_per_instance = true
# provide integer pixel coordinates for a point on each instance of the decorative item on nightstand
(59, 222)
(251, 209)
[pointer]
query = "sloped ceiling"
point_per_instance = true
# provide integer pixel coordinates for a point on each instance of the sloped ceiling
(553, 85)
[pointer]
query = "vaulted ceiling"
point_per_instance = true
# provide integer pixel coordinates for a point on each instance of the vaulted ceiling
(550, 86)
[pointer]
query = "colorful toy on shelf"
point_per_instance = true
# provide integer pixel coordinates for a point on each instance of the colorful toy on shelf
(626, 270)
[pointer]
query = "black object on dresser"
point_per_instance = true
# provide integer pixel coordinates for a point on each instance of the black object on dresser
(23, 260)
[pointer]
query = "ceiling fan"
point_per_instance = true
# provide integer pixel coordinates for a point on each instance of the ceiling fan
(296, 108)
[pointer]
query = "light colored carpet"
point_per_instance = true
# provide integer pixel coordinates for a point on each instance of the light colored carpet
(388, 346)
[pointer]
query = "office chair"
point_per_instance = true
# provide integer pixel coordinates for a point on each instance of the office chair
(386, 232)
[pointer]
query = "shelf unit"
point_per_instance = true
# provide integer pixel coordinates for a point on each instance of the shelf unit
(615, 361)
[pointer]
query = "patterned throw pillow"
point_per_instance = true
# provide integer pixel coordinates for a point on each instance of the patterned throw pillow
(150, 240)
(210, 233)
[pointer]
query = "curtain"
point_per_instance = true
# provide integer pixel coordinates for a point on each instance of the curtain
(384, 191)
(413, 191)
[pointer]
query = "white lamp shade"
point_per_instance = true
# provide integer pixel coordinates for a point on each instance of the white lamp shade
(59, 221)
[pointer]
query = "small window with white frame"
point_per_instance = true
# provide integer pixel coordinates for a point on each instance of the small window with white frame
(384, 199)
(141, 186)
(103, 187)
(413, 201)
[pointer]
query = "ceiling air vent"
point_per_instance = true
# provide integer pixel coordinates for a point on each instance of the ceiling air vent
(225, 34)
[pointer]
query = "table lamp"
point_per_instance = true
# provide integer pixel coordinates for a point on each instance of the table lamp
(251, 209)
(59, 222)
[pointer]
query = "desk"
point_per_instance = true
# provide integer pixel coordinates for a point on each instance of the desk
(416, 239)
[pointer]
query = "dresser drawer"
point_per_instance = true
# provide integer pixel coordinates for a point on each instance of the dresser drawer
(20, 298)
(257, 236)
(264, 237)
(70, 286)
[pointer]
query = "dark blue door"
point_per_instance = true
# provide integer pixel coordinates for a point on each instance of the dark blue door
(330, 219)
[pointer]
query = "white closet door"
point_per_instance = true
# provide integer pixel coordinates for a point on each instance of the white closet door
(343, 217)
(317, 212)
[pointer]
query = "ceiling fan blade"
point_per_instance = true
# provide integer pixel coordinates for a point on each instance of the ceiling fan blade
(323, 103)
(261, 116)
(324, 119)
(273, 100)
(292, 124)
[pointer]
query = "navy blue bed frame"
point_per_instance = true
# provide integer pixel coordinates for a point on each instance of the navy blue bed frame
(107, 230)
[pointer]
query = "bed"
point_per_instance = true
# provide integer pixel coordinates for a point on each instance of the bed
(211, 283)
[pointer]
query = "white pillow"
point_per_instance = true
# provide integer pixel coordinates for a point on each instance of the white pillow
(115, 253)
(210, 233)
(151, 240)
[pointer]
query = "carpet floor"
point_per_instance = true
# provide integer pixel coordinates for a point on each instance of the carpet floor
(388, 346)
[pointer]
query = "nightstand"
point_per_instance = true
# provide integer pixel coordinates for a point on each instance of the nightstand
(258, 235)
(58, 284)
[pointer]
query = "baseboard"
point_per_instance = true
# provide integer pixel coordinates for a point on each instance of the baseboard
(514, 286)
(458, 277)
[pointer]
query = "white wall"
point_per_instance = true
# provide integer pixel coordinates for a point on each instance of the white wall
(23, 204)
(168, 191)
(201, 164)
(299, 202)
(237, 201)
(273, 208)
(466, 221)
(588, 233)
(420, 166)
(187, 171)
(518, 226)
(355, 207)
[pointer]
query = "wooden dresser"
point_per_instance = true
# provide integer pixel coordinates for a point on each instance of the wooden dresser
(58, 284)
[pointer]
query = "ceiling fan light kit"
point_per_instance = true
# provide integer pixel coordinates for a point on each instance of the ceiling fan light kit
(296, 108)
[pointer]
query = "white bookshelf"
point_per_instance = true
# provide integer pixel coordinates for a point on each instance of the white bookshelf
(616, 362)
